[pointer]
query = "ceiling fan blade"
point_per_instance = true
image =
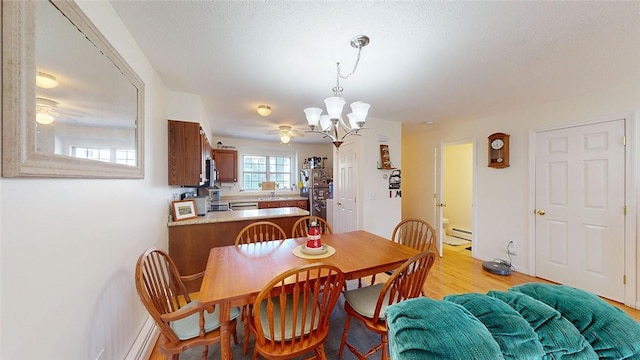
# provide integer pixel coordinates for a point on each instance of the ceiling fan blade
(57, 113)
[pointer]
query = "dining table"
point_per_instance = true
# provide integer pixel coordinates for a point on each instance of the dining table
(235, 274)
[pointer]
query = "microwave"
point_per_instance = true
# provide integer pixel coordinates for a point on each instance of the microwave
(212, 173)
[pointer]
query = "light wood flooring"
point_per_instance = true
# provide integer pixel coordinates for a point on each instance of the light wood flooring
(456, 272)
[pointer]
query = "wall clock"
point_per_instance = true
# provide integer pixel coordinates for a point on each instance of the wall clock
(498, 150)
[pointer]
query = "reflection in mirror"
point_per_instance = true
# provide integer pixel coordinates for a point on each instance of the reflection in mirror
(91, 112)
(78, 107)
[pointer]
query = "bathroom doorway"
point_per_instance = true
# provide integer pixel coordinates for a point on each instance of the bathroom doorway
(456, 196)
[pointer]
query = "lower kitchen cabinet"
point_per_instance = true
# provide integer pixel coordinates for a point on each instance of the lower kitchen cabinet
(189, 245)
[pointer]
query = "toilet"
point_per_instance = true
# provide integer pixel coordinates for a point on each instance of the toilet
(445, 226)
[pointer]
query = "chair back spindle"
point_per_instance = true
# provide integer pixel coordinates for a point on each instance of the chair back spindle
(260, 231)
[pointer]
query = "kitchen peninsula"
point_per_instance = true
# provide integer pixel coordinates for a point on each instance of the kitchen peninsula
(190, 240)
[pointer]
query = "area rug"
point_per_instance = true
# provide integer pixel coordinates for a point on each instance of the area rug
(452, 240)
(359, 336)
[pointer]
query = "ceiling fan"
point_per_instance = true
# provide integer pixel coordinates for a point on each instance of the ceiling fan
(286, 133)
(46, 111)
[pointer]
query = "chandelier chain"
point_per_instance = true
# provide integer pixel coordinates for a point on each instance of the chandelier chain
(355, 66)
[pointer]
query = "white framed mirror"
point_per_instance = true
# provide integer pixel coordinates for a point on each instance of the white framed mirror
(88, 122)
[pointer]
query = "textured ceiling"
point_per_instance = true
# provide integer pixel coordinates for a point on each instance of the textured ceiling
(427, 61)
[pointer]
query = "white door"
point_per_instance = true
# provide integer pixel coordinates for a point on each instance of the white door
(580, 199)
(346, 216)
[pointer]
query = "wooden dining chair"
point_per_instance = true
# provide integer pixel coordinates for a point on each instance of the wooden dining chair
(301, 227)
(414, 233)
(291, 313)
(260, 231)
(183, 323)
(256, 232)
(368, 304)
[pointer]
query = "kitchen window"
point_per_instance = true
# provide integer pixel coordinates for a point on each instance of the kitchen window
(259, 168)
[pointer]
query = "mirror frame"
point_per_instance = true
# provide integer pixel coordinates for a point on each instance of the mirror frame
(19, 155)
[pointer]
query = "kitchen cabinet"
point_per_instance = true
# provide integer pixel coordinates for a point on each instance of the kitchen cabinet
(302, 204)
(226, 164)
(189, 149)
(189, 245)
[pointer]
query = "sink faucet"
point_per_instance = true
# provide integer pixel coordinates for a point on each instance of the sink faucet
(273, 194)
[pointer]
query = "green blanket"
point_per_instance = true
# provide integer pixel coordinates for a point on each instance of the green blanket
(530, 321)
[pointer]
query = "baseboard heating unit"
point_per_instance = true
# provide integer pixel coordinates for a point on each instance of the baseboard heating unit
(462, 234)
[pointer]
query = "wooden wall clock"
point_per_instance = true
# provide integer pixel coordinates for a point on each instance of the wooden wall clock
(498, 150)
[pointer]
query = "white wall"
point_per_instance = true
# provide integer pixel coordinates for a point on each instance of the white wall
(68, 247)
(379, 213)
(502, 195)
(187, 107)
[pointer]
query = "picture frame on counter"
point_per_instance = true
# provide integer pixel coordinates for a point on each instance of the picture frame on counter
(183, 209)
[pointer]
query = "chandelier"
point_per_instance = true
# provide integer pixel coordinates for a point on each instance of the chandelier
(332, 125)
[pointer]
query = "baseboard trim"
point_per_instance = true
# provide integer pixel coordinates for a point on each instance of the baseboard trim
(146, 340)
(462, 234)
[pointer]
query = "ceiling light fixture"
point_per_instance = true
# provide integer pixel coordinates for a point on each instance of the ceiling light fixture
(44, 118)
(287, 133)
(332, 124)
(44, 107)
(264, 110)
(45, 81)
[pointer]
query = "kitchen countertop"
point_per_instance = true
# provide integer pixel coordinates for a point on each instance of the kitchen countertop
(239, 215)
(232, 199)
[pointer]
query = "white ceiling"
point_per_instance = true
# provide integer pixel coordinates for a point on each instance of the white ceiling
(427, 61)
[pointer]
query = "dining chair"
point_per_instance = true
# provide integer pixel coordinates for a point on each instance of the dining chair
(260, 231)
(414, 233)
(256, 232)
(368, 304)
(291, 313)
(183, 322)
(301, 227)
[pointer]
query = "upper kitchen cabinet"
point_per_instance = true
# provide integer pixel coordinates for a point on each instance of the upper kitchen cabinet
(189, 149)
(226, 164)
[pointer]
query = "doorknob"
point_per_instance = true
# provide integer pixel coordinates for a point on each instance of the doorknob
(540, 212)
(339, 203)
(441, 205)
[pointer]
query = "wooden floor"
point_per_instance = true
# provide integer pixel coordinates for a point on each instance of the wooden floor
(456, 272)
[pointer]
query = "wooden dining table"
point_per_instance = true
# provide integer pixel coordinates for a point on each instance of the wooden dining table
(236, 274)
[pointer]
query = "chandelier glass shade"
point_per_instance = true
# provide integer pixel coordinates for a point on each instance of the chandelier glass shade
(333, 125)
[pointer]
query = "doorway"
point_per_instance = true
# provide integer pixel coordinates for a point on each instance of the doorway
(455, 194)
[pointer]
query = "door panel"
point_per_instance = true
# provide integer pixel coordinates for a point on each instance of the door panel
(347, 189)
(580, 198)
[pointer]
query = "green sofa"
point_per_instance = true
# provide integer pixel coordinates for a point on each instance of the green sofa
(529, 321)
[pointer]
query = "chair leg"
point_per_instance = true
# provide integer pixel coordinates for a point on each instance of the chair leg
(205, 352)
(385, 347)
(234, 333)
(347, 324)
(245, 324)
(320, 353)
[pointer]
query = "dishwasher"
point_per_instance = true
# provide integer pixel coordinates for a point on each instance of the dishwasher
(249, 205)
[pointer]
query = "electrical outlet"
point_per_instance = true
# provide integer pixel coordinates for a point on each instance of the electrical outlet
(511, 248)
